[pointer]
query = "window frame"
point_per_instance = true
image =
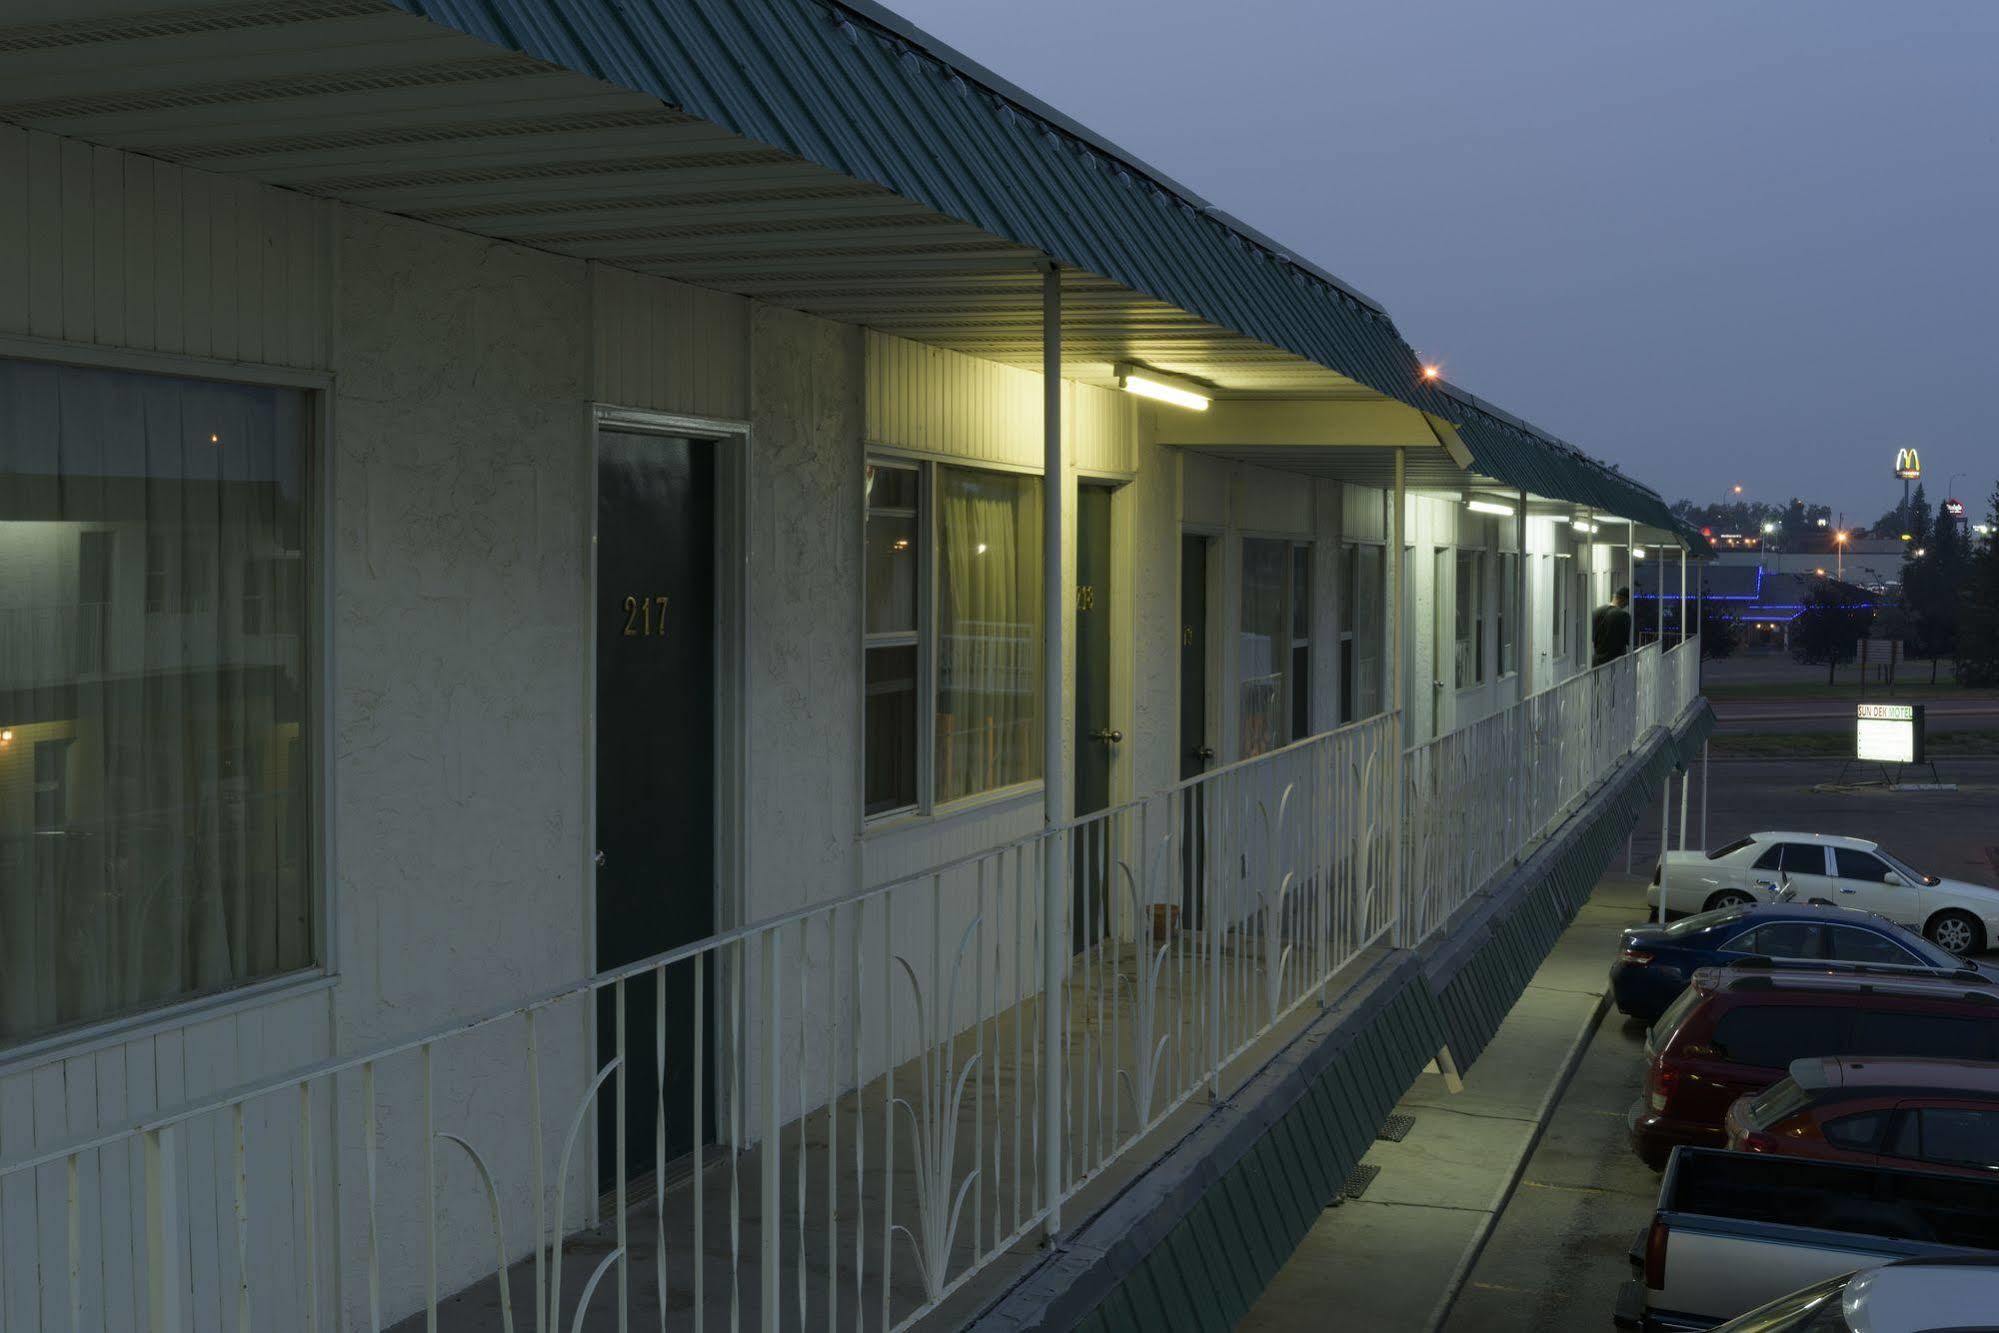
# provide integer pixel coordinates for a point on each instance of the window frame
(926, 806)
(1506, 615)
(1472, 620)
(317, 546)
(1350, 641)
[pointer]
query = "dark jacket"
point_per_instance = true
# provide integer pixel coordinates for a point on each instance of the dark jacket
(1609, 634)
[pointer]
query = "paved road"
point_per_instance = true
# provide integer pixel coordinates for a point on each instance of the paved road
(1745, 716)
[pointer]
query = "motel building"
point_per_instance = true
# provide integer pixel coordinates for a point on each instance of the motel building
(685, 663)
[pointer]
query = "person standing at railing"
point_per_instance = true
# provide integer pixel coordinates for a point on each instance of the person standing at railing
(1610, 629)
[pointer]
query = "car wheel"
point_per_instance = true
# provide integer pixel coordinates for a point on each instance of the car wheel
(1959, 932)
(1728, 898)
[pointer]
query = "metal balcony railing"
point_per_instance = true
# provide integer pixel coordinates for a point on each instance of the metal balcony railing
(882, 1092)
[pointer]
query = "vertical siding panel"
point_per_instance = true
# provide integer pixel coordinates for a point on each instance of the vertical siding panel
(79, 301)
(80, 1117)
(169, 261)
(44, 236)
(20, 1292)
(198, 298)
(114, 1195)
(51, 1121)
(14, 252)
(108, 244)
(206, 1204)
(305, 277)
(601, 297)
(141, 1095)
(141, 279)
(225, 261)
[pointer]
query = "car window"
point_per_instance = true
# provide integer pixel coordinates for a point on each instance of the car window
(1906, 1138)
(1859, 865)
(1783, 939)
(1850, 944)
(1771, 1036)
(1729, 850)
(1772, 858)
(1937, 1035)
(1858, 1132)
(1699, 921)
(1959, 1135)
(1804, 858)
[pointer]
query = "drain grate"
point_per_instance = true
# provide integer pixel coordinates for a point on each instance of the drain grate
(1357, 1183)
(1396, 1128)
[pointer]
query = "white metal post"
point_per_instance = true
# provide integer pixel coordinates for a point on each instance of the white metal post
(1704, 842)
(1055, 788)
(1665, 818)
(1397, 573)
(1683, 595)
(1631, 586)
(1686, 784)
(771, 1259)
(1522, 639)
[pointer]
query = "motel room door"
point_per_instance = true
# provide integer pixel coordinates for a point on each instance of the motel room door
(655, 613)
(1197, 750)
(1095, 739)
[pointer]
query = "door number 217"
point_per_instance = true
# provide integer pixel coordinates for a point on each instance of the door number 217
(644, 616)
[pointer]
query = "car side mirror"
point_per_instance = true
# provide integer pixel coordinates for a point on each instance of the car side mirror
(1891, 878)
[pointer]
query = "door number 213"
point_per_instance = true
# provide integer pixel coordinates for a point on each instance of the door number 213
(644, 616)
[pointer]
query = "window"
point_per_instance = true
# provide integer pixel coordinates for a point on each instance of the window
(1558, 601)
(1470, 618)
(953, 584)
(1731, 849)
(1261, 644)
(1858, 1133)
(1793, 858)
(1361, 626)
(1509, 611)
(156, 846)
(1850, 944)
(1959, 1135)
(1783, 939)
(1771, 1036)
(1938, 1036)
(1859, 865)
(1301, 642)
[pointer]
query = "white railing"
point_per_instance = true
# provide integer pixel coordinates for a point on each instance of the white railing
(872, 1075)
(1479, 797)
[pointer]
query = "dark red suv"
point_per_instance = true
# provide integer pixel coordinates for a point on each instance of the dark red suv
(1736, 1031)
(1895, 1110)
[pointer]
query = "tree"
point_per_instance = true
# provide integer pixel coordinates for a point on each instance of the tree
(1721, 633)
(1831, 626)
(1978, 612)
(1933, 589)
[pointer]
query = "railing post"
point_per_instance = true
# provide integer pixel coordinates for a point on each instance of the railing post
(165, 1282)
(770, 1234)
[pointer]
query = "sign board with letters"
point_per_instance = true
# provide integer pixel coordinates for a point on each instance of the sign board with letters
(1889, 733)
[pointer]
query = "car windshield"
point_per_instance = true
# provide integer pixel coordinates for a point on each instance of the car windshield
(1669, 1022)
(1783, 1098)
(1903, 868)
(1699, 921)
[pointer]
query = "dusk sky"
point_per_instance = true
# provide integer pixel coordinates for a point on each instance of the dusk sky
(1711, 242)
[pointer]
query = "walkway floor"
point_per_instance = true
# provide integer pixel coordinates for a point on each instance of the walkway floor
(1440, 1188)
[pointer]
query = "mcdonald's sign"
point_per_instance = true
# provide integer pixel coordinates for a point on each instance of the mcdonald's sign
(1907, 466)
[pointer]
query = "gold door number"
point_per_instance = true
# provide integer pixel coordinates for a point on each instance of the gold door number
(644, 617)
(1086, 597)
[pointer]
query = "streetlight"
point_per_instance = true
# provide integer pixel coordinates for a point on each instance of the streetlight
(1839, 554)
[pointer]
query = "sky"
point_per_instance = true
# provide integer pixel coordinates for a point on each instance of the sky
(1749, 243)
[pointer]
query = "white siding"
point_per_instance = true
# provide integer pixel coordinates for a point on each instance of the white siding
(108, 249)
(668, 347)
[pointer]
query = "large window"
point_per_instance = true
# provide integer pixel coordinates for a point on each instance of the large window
(953, 624)
(1470, 618)
(1274, 646)
(154, 774)
(1361, 603)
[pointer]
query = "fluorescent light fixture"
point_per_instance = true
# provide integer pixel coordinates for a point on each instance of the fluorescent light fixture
(1580, 526)
(1637, 553)
(1488, 507)
(1149, 383)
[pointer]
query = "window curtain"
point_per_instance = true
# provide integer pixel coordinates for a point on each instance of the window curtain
(1264, 644)
(153, 773)
(989, 695)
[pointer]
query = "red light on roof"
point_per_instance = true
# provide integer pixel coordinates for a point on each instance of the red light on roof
(1707, 532)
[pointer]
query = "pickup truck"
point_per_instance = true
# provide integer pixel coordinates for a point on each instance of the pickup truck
(1734, 1230)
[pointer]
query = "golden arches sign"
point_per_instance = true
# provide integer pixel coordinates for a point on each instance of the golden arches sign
(1907, 466)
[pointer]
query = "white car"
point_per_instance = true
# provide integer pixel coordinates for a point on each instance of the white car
(1907, 1296)
(1845, 872)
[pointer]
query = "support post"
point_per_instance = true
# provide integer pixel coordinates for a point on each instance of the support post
(1684, 633)
(1631, 582)
(1397, 573)
(1665, 819)
(1686, 785)
(1523, 638)
(1705, 844)
(1055, 787)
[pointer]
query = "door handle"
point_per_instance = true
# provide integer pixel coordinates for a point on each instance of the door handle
(1107, 735)
(1205, 752)
(598, 859)
(1844, 889)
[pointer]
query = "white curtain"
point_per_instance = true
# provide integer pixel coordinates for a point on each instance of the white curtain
(1264, 644)
(153, 773)
(989, 631)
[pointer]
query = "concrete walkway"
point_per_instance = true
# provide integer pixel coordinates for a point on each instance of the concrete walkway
(1389, 1259)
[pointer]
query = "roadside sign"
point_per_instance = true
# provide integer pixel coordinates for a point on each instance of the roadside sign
(1889, 733)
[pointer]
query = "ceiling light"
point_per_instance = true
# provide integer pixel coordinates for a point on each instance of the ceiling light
(1149, 383)
(1488, 507)
(1580, 526)
(1637, 553)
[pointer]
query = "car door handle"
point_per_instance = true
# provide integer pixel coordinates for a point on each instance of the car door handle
(1844, 889)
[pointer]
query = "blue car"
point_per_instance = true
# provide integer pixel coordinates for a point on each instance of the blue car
(1654, 963)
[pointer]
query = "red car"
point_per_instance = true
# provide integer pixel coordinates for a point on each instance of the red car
(1736, 1030)
(1897, 1110)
